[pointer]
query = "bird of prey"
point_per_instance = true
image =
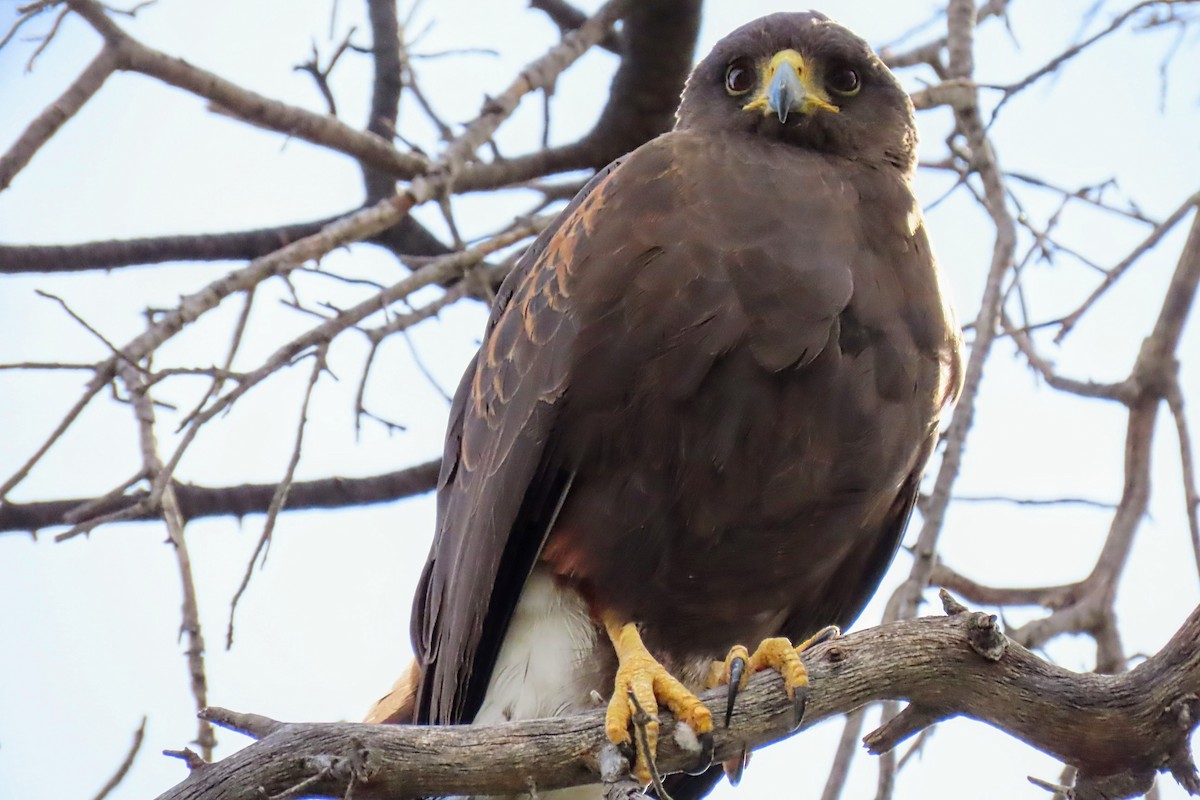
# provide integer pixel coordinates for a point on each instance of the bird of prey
(701, 409)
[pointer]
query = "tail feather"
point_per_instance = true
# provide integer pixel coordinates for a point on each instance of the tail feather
(398, 705)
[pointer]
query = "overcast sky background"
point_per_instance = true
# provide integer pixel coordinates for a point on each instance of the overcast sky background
(88, 628)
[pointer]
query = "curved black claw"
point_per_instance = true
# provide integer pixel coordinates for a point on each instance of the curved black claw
(628, 751)
(737, 667)
(824, 635)
(734, 768)
(705, 759)
(799, 702)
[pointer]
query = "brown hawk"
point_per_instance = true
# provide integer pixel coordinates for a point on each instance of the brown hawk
(702, 406)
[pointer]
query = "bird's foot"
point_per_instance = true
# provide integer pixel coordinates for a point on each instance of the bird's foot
(642, 685)
(778, 654)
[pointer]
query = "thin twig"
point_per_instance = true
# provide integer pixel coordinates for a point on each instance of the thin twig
(112, 348)
(1187, 466)
(848, 746)
(321, 74)
(281, 493)
(961, 22)
(46, 39)
(98, 382)
(1053, 64)
(143, 408)
(112, 783)
(1070, 320)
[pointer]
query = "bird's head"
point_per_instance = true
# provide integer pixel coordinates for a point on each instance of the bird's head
(802, 79)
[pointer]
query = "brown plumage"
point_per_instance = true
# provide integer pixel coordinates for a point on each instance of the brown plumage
(706, 395)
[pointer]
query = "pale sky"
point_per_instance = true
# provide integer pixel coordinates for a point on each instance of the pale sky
(88, 628)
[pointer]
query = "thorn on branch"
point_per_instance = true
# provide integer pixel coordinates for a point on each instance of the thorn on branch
(256, 726)
(190, 757)
(951, 606)
(1054, 788)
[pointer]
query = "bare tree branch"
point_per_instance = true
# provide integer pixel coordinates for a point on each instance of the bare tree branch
(138, 736)
(154, 250)
(961, 22)
(1068, 322)
(196, 502)
(1055, 63)
(319, 129)
(848, 745)
(1088, 606)
(659, 40)
(53, 118)
(168, 508)
(653, 41)
(280, 496)
(568, 18)
(1117, 729)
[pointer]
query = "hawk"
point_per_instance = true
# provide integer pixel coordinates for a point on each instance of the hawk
(702, 406)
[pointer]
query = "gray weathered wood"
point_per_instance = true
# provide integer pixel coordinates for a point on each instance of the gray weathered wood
(1117, 729)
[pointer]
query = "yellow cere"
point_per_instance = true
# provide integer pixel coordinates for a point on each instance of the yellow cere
(815, 95)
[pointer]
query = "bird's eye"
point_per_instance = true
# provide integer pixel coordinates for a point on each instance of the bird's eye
(739, 76)
(843, 80)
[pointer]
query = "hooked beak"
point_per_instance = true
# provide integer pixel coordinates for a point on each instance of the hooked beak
(788, 88)
(786, 92)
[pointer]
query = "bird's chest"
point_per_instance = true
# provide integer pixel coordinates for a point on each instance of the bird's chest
(755, 449)
(719, 510)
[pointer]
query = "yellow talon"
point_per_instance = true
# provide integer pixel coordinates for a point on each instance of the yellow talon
(778, 654)
(641, 684)
(823, 635)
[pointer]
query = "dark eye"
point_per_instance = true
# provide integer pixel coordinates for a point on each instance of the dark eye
(739, 76)
(843, 80)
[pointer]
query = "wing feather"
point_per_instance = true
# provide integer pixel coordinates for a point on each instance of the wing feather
(501, 481)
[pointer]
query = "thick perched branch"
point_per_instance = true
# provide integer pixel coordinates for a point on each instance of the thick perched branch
(1109, 727)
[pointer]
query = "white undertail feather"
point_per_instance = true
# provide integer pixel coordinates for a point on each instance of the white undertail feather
(547, 666)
